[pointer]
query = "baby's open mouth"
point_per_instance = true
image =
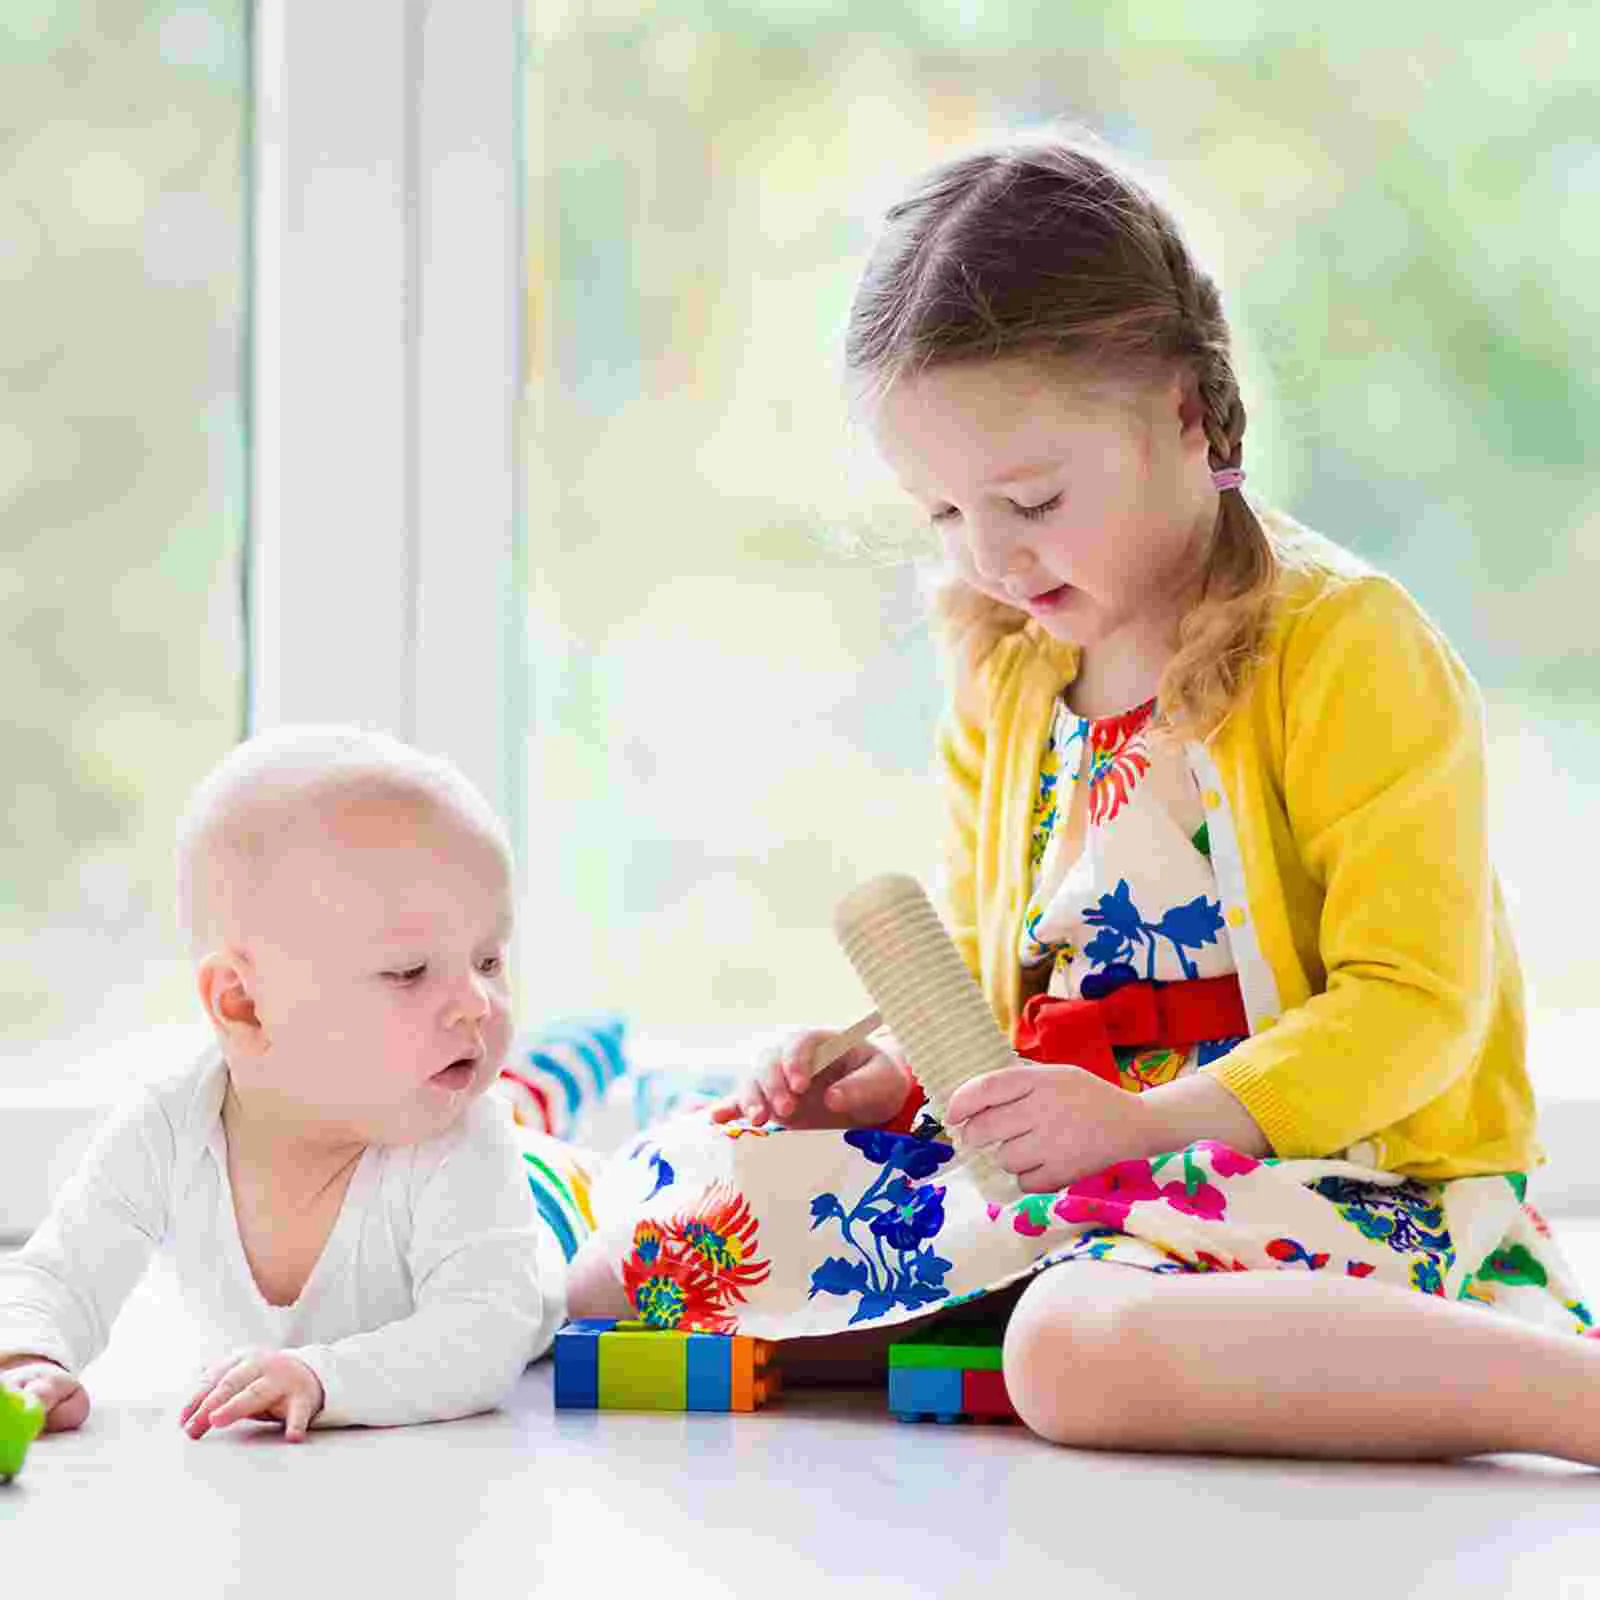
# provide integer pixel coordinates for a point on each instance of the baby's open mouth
(458, 1074)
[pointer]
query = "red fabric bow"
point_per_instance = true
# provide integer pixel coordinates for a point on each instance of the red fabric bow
(1081, 1033)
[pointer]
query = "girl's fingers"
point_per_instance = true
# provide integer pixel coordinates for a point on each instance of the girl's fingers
(990, 1089)
(876, 1087)
(774, 1084)
(799, 1062)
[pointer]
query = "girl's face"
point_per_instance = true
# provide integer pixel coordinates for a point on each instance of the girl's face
(1089, 510)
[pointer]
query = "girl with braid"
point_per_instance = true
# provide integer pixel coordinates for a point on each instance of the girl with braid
(1217, 858)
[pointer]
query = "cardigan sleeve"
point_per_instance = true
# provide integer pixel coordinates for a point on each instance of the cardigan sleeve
(1385, 792)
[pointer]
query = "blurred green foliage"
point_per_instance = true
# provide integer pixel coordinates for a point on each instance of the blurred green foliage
(121, 478)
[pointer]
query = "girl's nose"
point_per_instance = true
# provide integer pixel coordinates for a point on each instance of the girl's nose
(997, 552)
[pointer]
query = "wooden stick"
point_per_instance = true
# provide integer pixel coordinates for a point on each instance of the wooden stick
(841, 1043)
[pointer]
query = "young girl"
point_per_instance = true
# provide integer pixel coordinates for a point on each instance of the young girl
(1218, 860)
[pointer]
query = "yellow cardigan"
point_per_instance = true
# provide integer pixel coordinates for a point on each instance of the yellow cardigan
(1346, 808)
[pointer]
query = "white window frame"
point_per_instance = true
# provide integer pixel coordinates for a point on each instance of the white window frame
(387, 339)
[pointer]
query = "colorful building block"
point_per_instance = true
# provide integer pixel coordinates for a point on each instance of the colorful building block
(948, 1373)
(607, 1365)
(21, 1420)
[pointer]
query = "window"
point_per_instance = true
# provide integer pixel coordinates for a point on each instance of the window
(121, 504)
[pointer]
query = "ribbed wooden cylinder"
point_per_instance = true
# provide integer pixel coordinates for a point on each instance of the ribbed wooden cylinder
(917, 979)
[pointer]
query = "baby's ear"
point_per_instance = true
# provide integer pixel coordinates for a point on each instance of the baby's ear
(224, 979)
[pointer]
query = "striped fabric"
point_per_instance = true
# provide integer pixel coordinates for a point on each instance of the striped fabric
(560, 1175)
(555, 1075)
(553, 1079)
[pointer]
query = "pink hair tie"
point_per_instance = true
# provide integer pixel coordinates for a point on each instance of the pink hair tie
(1228, 477)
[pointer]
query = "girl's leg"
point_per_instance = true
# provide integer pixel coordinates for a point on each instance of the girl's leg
(1283, 1363)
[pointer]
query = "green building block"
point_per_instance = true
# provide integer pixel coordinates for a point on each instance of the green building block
(21, 1419)
(641, 1371)
(960, 1348)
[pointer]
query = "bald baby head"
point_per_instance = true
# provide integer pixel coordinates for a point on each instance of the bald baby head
(297, 785)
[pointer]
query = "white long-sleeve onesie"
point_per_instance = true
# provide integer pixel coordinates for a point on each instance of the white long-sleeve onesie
(438, 1284)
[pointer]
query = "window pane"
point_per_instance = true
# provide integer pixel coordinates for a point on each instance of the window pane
(121, 499)
(734, 704)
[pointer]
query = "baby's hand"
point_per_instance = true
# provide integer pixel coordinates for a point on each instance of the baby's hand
(863, 1087)
(255, 1383)
(65, 1400)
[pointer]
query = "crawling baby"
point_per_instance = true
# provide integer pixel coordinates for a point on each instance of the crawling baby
(345, 1210)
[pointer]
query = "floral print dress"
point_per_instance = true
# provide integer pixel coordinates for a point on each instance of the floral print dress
(785, 1233)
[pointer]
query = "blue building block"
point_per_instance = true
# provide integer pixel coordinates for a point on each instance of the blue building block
(710, 1379)
(607, 1364)
(578, 1366)
(918, 1392)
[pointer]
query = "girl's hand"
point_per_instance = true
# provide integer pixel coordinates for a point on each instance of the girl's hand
(65, 1400)
(1050, 1125)
(257, 1383)
(865, 1086)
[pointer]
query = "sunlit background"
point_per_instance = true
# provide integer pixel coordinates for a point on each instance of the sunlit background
(733, 687)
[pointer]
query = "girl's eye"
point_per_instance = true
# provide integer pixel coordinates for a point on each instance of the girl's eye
(409, 975)
(1043, 509)
(490, 965)
(946, 514)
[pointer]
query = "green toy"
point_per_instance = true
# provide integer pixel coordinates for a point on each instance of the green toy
(21, 1418)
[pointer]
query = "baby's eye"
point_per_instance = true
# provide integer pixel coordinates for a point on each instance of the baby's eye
(491, 964)
(944, 514)
(409, 975)
(1043, 509)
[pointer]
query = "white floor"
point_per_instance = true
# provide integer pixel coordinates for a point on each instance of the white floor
(824, 1489)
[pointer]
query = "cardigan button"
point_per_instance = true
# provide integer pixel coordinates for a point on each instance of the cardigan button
(1212, 799)
(1235, 916)
(1263, 1023)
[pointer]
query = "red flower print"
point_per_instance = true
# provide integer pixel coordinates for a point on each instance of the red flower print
(687, 1272)
(1359, 1269)
(1289, 1251)
(1226, 1162)
(1032, 1215)
(1203, 1201)
(1107, 1196)
(1118, 758)
(1211, 1263)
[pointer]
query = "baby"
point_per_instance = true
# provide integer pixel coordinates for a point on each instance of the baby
(342, 1204)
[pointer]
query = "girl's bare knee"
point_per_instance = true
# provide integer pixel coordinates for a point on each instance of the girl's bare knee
(1074, 1366)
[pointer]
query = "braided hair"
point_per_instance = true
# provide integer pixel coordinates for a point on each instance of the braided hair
(1046, 249)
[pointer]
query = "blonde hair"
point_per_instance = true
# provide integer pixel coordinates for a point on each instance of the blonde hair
(245, 809)
(1045, 249)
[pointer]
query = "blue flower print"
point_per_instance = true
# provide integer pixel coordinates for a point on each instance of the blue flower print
(894, 1264)
(1405, 1216)
(1124, 931)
